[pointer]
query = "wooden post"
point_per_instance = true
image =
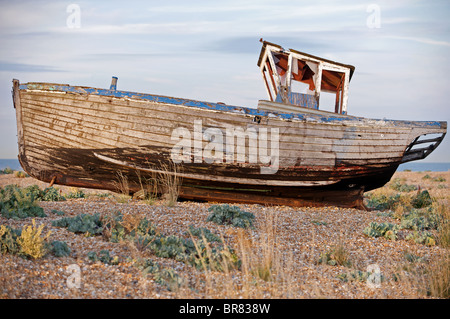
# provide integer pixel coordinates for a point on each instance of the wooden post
(338, 99)
(274, 73)
(269, 70)
(318, 83)
(338, 103)
(289, 73)
(267, 85)
(345, 92)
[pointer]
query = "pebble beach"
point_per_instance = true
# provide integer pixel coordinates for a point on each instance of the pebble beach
(287, 240)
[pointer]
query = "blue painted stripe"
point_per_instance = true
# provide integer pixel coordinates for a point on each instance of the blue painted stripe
(212, 106)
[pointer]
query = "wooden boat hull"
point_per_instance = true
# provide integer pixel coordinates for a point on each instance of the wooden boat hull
(83, 137)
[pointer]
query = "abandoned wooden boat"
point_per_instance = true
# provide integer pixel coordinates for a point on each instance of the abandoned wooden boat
(288, 151)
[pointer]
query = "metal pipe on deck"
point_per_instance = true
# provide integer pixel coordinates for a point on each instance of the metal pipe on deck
(113, 86)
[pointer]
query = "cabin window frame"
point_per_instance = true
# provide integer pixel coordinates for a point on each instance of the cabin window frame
(273, 81)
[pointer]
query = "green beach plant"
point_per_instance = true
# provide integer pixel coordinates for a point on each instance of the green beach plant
(57, 212)
(18, 203)
(132, 227)
(399, 185)
(203, 232)
(59, 248)
(104, 256)
(439, 179)
(76, 193)
(6, 170)
(386, 230)
(230, 215)
(164, 276)
(8, 239)
(83, 223)
(422, 199)
(139, 230)
(382, 201)
(422, 237)
(420, 220)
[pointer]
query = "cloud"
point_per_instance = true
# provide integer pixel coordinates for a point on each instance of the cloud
(126, 55)
(251, 44)
(31, 68)
(421, 40)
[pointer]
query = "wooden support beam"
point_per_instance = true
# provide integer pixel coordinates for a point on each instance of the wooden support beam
(52, 181)
(289, 72)
(318, 84)
(274, 72)
(270, 71)
(267, 85)
(345, 92)
(337, 102)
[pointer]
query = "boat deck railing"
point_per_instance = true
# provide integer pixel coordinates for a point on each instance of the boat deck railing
(412, 153)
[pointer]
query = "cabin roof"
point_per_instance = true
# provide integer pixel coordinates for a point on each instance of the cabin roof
(265, 43)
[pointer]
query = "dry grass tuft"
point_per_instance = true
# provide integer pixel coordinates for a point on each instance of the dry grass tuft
(149, 188)
(122, 187)
(170, 183)
(437, 278)
(443, 230)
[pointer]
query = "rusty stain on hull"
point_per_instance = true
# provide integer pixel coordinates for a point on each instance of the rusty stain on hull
(91, 172)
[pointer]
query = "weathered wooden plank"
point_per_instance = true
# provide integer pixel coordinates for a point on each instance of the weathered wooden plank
(82, 123)
(313, 153)
(312, 159)
(348, 149)
(110, 138)
(303, 147)
(308, 132)
(283, 135)
(47, 139)
(155, 110)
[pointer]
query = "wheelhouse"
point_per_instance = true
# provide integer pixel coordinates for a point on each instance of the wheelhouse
(298, 79)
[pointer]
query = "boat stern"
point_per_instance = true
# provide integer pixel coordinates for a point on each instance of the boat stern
(17, 106)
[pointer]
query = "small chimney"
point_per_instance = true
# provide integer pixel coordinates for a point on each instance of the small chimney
(113, 83)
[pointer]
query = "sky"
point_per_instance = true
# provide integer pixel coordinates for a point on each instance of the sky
(208, 50)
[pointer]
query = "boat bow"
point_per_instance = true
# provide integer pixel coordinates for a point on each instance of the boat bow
(423, 145)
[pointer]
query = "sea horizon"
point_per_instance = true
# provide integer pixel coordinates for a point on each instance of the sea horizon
(412, 166)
